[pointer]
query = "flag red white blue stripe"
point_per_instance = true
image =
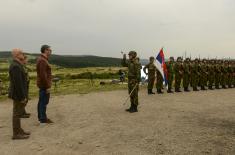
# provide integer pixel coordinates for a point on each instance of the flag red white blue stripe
(161, 66)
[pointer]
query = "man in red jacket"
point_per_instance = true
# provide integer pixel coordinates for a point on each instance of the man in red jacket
(44, 78)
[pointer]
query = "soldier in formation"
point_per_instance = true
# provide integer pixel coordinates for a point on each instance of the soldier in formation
(204, 74)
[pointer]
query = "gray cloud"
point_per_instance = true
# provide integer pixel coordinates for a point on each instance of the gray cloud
(105, 27)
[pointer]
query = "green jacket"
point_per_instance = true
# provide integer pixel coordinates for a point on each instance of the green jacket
(133, 69)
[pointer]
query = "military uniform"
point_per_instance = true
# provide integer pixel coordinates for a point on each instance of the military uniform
(186, 74)
(223, 75)
(203, 75)
(211, 75)
(233, 79)
(229, 75)
(178, 74)
(170, 73)
(151, 74)
(217, 75)
(159, 84)
(133, 80)
(195, 74)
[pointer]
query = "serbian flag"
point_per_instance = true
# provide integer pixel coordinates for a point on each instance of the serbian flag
(161, 66)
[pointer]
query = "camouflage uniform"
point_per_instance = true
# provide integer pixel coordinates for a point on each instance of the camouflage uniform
(159, 84)
(195, 74)
(133, 79)
(223, 75)
(178, 74)
(233, 70)
(230, 75)
(211, 74)
(170, 73)
(217, 75)
(203, 75)
(151, 74)
(186, 74)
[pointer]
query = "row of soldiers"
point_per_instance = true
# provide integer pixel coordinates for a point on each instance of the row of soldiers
(195, 73)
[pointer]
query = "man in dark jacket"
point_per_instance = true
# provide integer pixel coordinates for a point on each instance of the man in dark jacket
(18, 92)
(44, 78)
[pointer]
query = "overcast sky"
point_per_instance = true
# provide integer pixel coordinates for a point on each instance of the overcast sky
(107, 27)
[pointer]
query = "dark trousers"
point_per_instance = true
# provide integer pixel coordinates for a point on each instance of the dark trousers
(17, 109)
(42, 104)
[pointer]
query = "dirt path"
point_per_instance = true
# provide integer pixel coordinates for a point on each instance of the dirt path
(96, 123)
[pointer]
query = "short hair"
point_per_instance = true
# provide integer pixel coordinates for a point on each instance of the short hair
(44, 47)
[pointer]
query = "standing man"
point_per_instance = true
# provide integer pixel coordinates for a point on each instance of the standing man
(203, 73)
(217, 74)
(195, 75)
(186, 74)
(44, 78)
(223, 74)
(159, 84)
(133, 79)
(211, 74)
(170, 73)
(151, 74)
(18, 92)
(178, 74)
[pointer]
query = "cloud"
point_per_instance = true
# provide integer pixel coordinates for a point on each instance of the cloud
(105, 27)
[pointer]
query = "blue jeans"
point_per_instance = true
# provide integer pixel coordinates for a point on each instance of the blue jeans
(42, 104)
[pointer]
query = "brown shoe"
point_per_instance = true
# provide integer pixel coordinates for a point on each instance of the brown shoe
(48, 121)
(24, 132)
(20, 137)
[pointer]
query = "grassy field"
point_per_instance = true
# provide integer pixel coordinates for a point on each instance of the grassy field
(72, 80)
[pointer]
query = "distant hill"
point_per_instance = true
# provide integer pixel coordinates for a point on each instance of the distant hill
(72, 61)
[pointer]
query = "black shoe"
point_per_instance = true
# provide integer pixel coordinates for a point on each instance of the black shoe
(134, 109)
(151, 91)
(177, 90)
(203, 88)
(159, 91)
(195, 89)
(131, 107)
(170, 91)
(210, 88)
(186, 90)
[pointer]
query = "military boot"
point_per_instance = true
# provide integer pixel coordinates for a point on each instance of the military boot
(224, 87)
(210, 87)
(195, 89)
(134, 109)
(203, 88)
(150, 92)
(186, 89)
(159, 91)
(177, 90)
(169, 91)
(131, 107)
